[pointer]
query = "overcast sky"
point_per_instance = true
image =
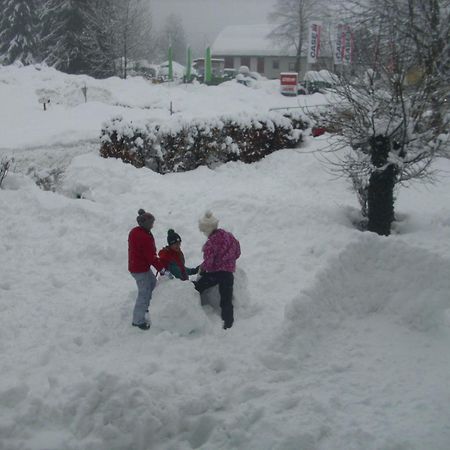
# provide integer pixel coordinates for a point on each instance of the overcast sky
(203, 19)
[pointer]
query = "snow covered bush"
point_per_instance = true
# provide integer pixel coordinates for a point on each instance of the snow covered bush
(188, 145)
(127, 141)
(260, 136)
(179, 145)
(5, 165)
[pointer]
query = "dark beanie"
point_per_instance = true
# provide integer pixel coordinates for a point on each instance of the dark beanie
(144, 219)
(172, 237)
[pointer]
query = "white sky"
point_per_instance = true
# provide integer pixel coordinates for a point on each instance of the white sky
(204, 19)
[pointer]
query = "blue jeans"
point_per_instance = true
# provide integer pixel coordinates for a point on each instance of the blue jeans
(146, 282)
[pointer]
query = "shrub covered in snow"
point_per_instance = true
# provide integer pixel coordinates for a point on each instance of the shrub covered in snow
(5, 165)
(125, 140)
(179, 145)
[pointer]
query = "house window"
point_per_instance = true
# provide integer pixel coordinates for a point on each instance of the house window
(229, 62)
(261, 68)
(245, 61)
(291, 66)
(275, 64)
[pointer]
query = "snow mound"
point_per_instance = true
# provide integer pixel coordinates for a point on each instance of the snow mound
(84, 177)
(371, 276)
(175, 307)
(15, 181)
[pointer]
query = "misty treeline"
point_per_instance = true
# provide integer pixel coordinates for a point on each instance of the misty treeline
(94, 37)
(290, 19)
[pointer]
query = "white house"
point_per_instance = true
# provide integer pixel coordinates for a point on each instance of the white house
(249, 45)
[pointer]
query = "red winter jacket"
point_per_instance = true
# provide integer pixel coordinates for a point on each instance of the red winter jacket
(169, 256)
(142, 251)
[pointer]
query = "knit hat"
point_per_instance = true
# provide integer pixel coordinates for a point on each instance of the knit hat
(172, 237)
(145, 219)
(208, 223)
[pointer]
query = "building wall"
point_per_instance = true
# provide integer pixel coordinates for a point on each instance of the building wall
(273, 65)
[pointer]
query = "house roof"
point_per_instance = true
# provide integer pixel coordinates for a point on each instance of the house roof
(248, 40)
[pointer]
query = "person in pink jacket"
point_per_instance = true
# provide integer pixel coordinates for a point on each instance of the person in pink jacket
(220, 252)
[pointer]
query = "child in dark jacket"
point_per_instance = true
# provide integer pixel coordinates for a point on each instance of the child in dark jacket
(173, 258)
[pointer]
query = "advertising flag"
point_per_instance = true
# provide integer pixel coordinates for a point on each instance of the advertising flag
(339, 44)
(188, 73)
(347, 56)
(343, 48)
(170, 69)
(314, 30)
(208, 67)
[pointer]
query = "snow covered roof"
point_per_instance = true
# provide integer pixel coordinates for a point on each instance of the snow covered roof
(248, 40)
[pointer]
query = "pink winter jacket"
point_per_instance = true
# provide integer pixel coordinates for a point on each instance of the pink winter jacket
(220, 252)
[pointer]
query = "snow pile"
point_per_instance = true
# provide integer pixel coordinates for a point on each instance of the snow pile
(174, 308)
(339, 341)
(372, 276)
(178, 70)
(69, 120)
(324, 76)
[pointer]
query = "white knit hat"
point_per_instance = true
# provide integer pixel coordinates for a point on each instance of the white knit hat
(208, 223)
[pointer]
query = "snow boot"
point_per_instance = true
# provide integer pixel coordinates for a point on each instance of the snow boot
(142, 326)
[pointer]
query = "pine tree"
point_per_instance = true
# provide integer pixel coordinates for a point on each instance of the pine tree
(63, 34)
(100, 39)
(17, 31)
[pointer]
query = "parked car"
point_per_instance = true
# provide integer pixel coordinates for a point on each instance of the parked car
(246, 77)
(316, 82)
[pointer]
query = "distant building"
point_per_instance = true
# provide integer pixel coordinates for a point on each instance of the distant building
(249, 45)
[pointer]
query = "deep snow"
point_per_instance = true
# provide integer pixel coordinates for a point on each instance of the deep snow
(341, 338)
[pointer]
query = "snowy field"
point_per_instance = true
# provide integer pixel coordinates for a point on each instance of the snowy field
(341, 339)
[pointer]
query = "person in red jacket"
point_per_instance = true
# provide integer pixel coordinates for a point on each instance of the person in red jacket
(172, 257)
(141, 256)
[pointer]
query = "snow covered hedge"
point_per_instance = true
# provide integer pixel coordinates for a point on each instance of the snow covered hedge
(178, 145)
(5, 164)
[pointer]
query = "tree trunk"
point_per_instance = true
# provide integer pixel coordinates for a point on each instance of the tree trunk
(381, 200)
(381, 188)
(298, 56)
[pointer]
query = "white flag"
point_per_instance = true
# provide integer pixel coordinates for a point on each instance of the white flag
(314, 30)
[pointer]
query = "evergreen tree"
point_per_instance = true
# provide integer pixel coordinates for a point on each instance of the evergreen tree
(63, 34)
(17, 31)
(100, 39)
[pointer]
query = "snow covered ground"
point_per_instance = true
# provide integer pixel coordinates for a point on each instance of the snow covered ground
(341, 339)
